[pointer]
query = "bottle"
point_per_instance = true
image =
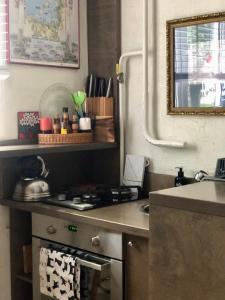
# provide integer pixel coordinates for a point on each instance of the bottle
(180, 179)
(65, 127)
(56, 125)
(74, 124)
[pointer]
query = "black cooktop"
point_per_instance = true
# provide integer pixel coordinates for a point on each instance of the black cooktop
(91, 198)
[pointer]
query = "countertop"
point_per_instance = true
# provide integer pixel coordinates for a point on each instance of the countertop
(206, 197)
(125, 218)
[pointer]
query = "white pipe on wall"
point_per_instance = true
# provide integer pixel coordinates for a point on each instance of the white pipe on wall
(123, 63)
(122, 95)
(153, 141)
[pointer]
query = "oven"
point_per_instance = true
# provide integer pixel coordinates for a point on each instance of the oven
(100, 253)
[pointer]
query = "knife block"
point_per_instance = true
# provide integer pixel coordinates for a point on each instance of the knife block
(100, 106)
(104, 130)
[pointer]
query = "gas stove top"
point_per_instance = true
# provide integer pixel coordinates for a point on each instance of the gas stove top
(94, 198)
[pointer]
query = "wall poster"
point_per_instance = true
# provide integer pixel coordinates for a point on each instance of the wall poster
(44, 32)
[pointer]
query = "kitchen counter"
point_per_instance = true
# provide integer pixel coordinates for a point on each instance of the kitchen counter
(187, 249)
(125, 218)
(204, 197)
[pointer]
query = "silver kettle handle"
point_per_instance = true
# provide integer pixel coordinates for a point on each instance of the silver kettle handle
(44, 171)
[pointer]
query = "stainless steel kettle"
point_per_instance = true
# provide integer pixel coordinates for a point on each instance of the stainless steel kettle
(33, 188)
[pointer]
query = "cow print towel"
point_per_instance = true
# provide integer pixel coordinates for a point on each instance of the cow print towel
(59, 275)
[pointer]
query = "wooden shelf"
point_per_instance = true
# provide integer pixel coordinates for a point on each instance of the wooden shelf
(25, 277)
(34, 149)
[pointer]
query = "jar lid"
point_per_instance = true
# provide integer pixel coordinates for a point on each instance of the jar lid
(65, 109)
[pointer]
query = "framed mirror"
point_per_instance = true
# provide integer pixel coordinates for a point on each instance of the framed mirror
(196, 65)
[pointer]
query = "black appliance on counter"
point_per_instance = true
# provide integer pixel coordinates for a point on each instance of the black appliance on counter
(90, 198)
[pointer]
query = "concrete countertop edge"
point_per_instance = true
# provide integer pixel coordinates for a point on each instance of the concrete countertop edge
(73, 216)
(190, 204)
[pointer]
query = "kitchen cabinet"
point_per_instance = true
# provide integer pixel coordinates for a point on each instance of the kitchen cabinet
(187, 249)
(136, 267)
(135, 247)
(20, 234)
(98, 162)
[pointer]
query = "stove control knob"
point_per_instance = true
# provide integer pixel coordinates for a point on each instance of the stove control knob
(51, 229)
(131, 244)
(95, 241)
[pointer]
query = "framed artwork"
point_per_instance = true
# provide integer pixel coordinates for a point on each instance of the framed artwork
(28, 125)
(44, 32)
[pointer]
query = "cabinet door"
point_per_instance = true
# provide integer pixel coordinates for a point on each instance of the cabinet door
(136, 267)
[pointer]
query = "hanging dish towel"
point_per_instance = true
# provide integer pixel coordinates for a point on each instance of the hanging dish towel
(59, 275)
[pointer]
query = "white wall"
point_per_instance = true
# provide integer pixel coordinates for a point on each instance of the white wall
(205, 136)
(21, 92)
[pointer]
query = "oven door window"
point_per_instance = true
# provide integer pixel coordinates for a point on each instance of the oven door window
(94, 285)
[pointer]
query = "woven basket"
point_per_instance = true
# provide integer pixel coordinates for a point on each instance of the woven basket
(72, 138)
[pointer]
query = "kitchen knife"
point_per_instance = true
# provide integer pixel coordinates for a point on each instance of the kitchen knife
(102, 87)
(95, 86)
(99, 87)
(90, 85)
(109, 88)
(87, 83)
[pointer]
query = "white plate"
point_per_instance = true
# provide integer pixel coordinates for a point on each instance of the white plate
(54, 98)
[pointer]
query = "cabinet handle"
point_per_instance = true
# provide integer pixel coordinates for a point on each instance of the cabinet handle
(131, 244)
(51, 229)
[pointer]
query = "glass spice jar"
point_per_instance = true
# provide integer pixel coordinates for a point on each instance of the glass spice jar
(56, 125)
(75, 124)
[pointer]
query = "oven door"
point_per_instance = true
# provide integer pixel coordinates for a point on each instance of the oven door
(106, 275)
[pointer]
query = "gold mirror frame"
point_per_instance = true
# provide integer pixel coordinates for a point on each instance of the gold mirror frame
(170, 28)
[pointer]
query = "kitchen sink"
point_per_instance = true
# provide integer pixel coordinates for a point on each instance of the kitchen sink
(145, 208)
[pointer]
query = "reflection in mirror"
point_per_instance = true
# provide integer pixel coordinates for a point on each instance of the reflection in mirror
(196, 65)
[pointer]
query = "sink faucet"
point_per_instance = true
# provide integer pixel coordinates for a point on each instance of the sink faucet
(203, 176)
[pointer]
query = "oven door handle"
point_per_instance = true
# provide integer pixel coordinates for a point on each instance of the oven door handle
(94, 265)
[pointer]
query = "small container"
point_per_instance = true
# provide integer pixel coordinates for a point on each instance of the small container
(56, 125)
(46, 125)
(64, 131)
(85, 124)
(75, 125)
(65, 126)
